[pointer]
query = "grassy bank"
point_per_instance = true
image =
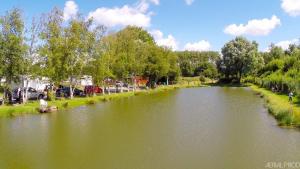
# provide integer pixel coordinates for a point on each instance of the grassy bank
(32, 107)
(287, 114)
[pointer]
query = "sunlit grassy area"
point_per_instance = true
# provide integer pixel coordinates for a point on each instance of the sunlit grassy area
(189, 82)
(287, 114)
(33, 106)
(19, 109)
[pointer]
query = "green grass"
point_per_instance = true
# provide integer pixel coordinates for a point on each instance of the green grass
(29, 108)
(186, 82)
(33, 107)
(287, 114)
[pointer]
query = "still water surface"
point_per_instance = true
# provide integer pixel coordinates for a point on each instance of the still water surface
(209, 128)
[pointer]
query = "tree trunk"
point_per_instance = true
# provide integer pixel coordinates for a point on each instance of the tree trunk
(167, 80)
(5, 96)
(71, 89)
(25, 95)
(134, 84)
(71, 92)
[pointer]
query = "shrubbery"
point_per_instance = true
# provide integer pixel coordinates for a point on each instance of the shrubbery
(281, 74)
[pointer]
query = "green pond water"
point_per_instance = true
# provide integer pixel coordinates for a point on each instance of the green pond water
(199, 128)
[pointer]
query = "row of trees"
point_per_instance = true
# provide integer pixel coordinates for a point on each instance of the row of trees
(276, 69)
(281, 70)
(65, 51)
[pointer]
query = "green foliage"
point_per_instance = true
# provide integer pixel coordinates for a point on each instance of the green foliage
(198, 63)
(207, 69)
(240, 58)
(275, 52)
(271, 67)
(133, 52)
(127, 49)
(202, 79)
(65, 51)
(65, 104)
(91, 102)
(157, 63)
(50, 96)
(52, 51)
(282, 71)
(67, 48)
(13, 47)
(278, 105)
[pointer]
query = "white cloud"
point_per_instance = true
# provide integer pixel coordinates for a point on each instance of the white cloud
(136, 15)
(254, 27)
(189, 2)
(168, 41)
(198, 46)
(70, 10)
(156, 2)
(285, 44)
(124, 16)
(292, 7)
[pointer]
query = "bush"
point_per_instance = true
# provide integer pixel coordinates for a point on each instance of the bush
(90, 102)
(202, 79)
(208, 70)
(65, 105)
(273, 66)
(50, 96)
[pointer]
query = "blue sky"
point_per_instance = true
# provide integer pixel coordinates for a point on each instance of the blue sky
(185, 24)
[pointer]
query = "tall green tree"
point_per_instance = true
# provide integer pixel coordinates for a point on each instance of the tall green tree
(157, 63)
(52, 53)
(2, 42)
(100, 69)
(128, 48)
(32, 64)
(174, 69)
(77, 50)
(240, 57)
(13, 46)
(98, 66)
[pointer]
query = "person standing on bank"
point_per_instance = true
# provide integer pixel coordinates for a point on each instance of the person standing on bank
(291, 94)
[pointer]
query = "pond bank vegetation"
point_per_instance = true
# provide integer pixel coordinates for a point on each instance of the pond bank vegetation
(63, 104)
(287, 113)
